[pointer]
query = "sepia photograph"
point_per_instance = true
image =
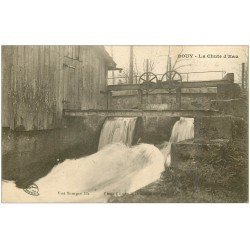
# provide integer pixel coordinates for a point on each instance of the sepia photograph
(124, 124)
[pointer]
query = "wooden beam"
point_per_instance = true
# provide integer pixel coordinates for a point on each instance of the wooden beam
(136, 112)
(151, 86)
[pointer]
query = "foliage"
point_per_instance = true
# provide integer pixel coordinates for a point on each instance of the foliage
(219, 178)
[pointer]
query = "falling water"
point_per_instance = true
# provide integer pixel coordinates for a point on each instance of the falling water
(182, 130)
(117, 129)
(116, 169)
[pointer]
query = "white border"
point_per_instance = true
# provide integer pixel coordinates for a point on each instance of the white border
(125, 226)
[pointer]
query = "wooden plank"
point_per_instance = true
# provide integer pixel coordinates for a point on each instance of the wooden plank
(85, 98)
(95, 83)
(12, 80)
(52, 88)
(41, 92)
(86, 95)
(81, 74)
(35, 79)
(28, 82)
(62, 74)
(99, 82)
(60, 80)
(73, 79)
(20, 89)
(57, 84)
(45, 111)
(6, 66)
(22, 121)
(104, 81)
(66, 76)
(90, 82)
(77, 75)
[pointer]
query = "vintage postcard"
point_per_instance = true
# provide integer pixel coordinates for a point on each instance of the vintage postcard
(134, 124)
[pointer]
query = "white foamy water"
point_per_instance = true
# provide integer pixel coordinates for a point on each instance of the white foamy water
(115, 169)
(117, 129)
(182, 130)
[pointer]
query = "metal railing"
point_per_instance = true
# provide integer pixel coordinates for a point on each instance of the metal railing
(186, 77)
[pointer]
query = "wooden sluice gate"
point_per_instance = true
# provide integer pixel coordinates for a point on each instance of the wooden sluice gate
(171, 84)
(149, 82)
(158, 122)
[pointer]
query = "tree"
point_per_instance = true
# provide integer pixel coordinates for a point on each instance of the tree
(148, 65)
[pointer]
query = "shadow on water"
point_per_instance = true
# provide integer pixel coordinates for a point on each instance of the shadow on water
(40, 169)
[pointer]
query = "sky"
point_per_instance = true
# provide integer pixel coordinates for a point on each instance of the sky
(216, 58)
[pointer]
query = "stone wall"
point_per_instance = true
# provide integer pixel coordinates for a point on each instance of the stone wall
(189, 101)
(157, 129)
(237, 107)
(27, 155)
(207, 128)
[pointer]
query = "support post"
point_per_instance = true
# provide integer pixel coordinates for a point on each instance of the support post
(113, 73)
(131, 66)
(140, 97)
(147, 79)
(109, 99)
(178, 97)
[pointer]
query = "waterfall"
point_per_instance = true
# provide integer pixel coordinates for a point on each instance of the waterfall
(182, 130)
(117, 129)
(116, 169)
